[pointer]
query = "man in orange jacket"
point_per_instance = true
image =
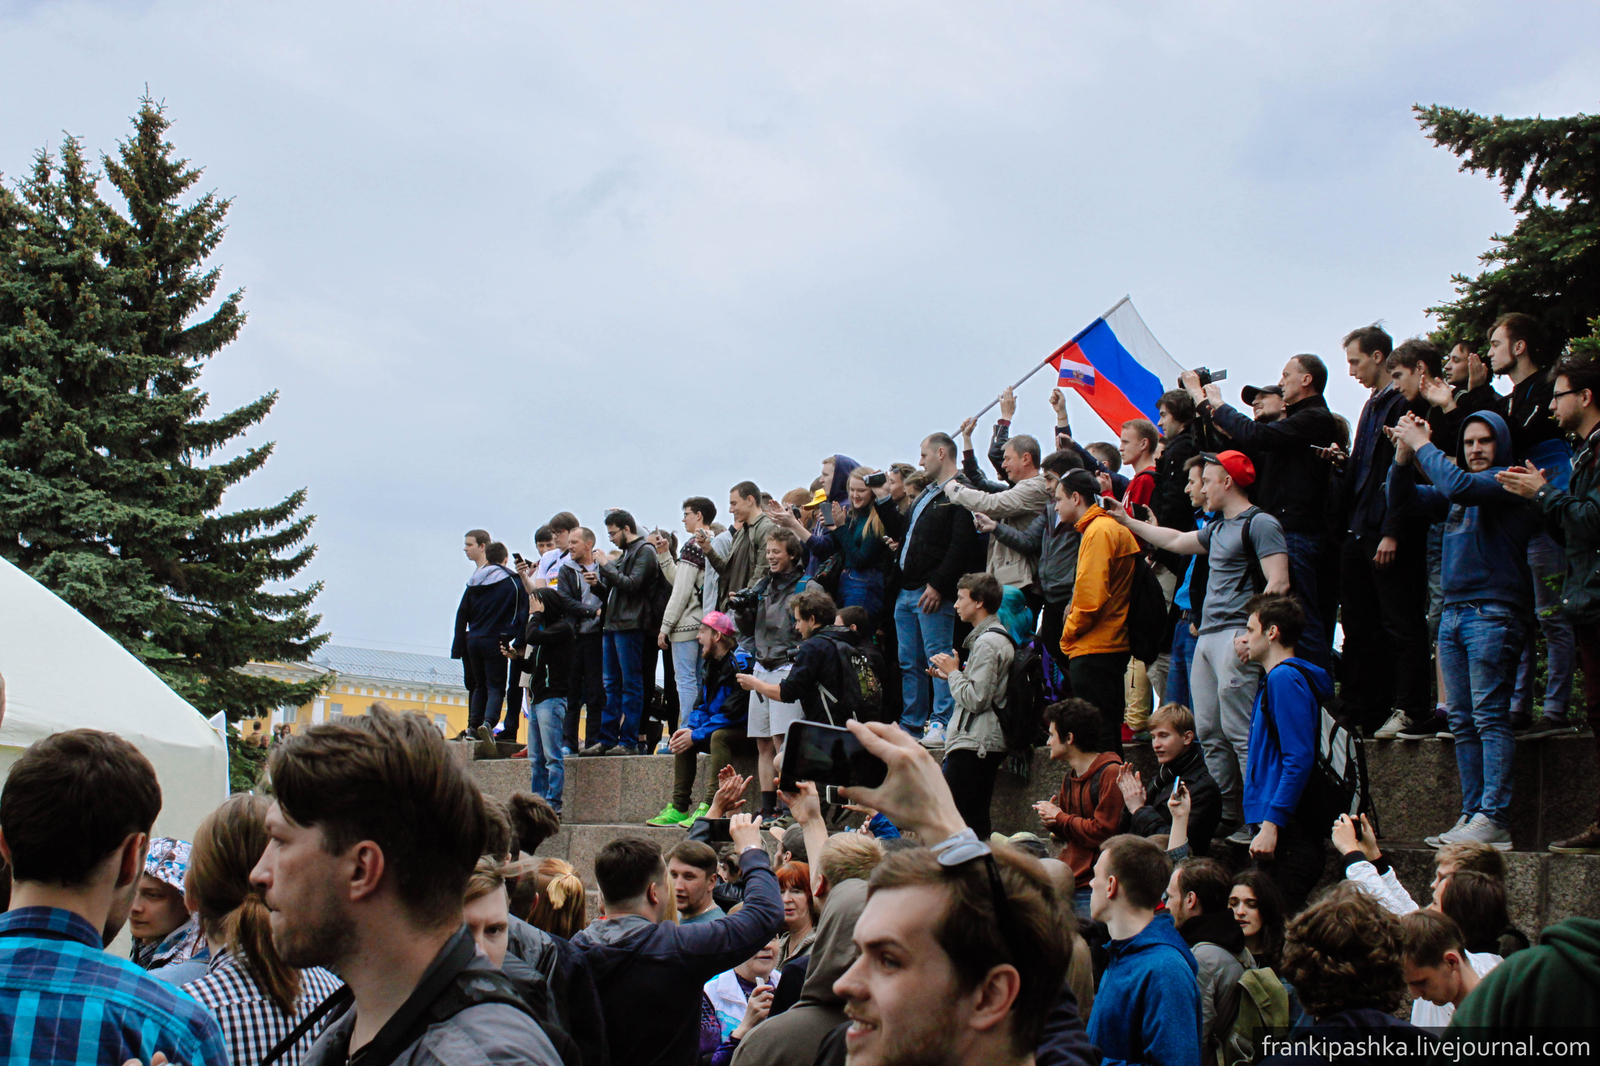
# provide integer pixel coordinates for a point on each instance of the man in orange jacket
(1094, 636)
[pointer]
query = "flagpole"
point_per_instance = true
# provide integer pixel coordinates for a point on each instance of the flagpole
(1052, 356)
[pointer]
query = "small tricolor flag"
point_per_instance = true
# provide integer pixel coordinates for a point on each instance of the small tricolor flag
(1117, 366)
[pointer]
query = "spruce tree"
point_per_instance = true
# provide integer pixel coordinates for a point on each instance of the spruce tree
(1549, 265)
(108, 495)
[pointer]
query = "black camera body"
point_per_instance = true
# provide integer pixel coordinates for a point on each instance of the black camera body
(1207, 376)
(744, 600)
(876, 481)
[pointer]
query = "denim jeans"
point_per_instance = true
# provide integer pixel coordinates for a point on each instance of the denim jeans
(1479, 644)
(687, 669)
(624, 664)
(490, 669)
(861, 588)
(1548, 562)
(921, 637)
(547, 721)
(1305, 556)
(1182, 660)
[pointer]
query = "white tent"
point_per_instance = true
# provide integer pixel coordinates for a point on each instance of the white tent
(63, 672)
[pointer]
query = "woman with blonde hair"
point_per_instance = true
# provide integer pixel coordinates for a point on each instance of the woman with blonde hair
(258, 998)
(561, 907)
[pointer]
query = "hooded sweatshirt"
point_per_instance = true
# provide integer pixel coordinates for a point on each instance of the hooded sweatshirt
(839, 488)
(1147, 1008)
(791, 1038)
(1554, 984)
(493, 607)
(1276, 774)
(650, 974)
(1486, 527)
(1090, 814)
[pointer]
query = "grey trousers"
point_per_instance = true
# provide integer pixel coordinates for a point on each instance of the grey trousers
(1224, 694)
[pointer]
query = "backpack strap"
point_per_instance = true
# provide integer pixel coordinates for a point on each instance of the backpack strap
(340, 997)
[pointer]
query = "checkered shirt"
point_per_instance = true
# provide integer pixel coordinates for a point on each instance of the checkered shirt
(251, 1021)
(64, 999)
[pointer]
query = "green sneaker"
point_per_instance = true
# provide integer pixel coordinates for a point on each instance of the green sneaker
(669, 815)
(699, 813)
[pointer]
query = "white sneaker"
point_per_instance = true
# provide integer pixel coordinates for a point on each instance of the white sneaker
(934, 737)
(1480, 831)
(1391, 729)
(1439, 841)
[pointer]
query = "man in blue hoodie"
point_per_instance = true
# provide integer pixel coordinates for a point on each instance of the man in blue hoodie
(1147, 1008)
(1283, 748)
(1488, 605)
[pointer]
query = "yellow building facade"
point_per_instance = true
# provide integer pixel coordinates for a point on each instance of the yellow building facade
(355, 678)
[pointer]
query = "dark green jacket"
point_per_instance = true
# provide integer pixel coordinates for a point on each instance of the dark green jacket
(1574, 514)
(1554, 984)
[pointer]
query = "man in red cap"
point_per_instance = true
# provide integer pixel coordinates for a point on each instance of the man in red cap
(1247, 554)
(717, 723)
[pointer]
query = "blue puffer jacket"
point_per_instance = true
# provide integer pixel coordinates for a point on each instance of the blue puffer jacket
(1486, 528)
(722, 702)
(1147, 1008)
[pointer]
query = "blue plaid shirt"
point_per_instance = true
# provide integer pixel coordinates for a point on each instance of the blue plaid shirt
(64, 999)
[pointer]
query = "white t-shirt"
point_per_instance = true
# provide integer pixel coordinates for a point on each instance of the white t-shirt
(1426, 1014)
(544, 574)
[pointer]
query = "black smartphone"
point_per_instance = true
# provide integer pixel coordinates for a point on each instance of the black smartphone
(517, 556)
(829, 755)
(719, 831)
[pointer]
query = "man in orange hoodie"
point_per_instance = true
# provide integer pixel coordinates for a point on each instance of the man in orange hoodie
(1094, 636)
(1084, 815)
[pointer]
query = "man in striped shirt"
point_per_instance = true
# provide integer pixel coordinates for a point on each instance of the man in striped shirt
(75, 818)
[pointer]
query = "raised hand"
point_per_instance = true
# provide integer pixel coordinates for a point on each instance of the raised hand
(1008, 403)
(1132, 787)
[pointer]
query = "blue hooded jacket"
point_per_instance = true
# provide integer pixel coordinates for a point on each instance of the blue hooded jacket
(1147, 1008)
(1275, 775)
(1486, 528)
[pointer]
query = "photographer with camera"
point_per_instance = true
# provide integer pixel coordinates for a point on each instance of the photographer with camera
(1291, 475)
(764, 618)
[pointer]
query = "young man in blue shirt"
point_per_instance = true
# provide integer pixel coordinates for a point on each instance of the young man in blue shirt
(1282, 751)
(75, 819)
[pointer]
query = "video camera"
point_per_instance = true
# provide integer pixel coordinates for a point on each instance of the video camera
(744, 599)
(1207, 376)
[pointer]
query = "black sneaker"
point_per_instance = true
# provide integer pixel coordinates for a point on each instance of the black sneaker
(1585, 843)
(1544, 726)
(1423, 728)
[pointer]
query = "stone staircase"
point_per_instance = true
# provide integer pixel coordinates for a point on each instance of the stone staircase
(1414, 784)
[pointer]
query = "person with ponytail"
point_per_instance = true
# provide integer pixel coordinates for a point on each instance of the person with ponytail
(561, 907)
(257, 998)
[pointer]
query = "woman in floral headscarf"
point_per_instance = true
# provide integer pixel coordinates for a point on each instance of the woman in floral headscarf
(164, 932)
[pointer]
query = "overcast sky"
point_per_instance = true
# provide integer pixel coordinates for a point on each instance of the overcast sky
(508, 259)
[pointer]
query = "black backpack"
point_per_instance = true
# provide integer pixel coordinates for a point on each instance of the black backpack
(861, 683)
(1338, 783)
(1147, 613)
(1022, 718)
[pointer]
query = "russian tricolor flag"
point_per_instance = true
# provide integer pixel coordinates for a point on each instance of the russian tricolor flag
(1117, 366)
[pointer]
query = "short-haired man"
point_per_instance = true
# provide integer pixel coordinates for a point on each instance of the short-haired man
(372, 835)
(1136, 447)
(1087, 810)
(1291, 475)
(1147, 1006)
(1440, 971)
(940, 544)
(1188, 600)
(1053, 546)
(767, 624)
(692, 866)
(650, 971)
(1488, 605)
(745, 561)
(627, 584)
(680, 624)
(1576, 508)
(1016, 507)
(493, 611)
(1283, 748)
(1094, 635)
(1383, 573)
(976, 744)
(716, 724)
(1243, 546)
(1465, 390)
(75, 818)
(561, 526)
(582, 603)
(1197, 899)
(1179, 759)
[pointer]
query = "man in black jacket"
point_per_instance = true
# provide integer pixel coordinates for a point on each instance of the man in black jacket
(1383, 571)
(940, 545)
(585, 607)
(1179, 758)
(627, 584)
(1291, 474)
(493, 610)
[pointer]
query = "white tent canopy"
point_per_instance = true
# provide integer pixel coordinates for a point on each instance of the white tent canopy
(62, 672)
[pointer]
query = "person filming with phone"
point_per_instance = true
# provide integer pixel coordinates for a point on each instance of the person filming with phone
(975, 744)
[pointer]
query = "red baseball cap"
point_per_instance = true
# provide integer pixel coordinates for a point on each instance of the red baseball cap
(1237, 464)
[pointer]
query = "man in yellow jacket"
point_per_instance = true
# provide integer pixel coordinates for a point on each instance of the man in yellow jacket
(1094, 636)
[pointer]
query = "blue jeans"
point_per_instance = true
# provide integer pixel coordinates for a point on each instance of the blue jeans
(687, 670)
(861, 588)
(547, 721)
(1178, 671)
(1549, 565)
(921, 637)
(1479, 644)
(1305, 556)
(624, 674)
(1080, 902)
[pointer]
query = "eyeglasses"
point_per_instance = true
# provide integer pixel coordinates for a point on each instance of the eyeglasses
(1564, 392)
(1002, 908)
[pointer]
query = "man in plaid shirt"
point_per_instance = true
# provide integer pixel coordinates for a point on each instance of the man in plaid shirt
(75, 818)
